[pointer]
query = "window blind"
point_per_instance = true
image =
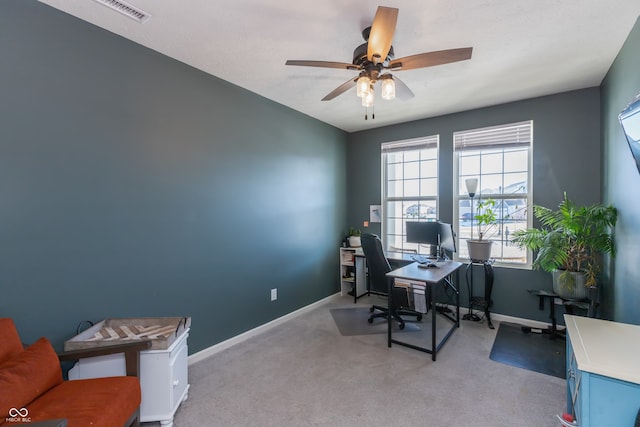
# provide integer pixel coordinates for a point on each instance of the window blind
(503, 136)
(410, 144)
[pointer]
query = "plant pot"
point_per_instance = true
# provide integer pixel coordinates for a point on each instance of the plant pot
(479, 250)
(354, 241)
(569, 286)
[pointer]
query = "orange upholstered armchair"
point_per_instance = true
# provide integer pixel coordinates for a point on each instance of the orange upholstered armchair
(32, 388)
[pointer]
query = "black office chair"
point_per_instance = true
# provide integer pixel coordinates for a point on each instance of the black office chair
(378, 266)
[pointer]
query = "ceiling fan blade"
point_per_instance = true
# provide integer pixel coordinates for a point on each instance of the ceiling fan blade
(402, 90)
(381, 35)
(324, 64)
(341, 89)
(430, 59)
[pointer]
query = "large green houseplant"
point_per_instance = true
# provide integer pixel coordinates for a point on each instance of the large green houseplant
(570, 244)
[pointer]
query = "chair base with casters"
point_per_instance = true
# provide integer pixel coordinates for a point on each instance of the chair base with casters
(384, 313)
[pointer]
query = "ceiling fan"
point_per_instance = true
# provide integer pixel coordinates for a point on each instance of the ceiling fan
(374, 59)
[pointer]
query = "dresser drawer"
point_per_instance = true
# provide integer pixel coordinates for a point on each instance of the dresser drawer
(179, 375)
(574, 377)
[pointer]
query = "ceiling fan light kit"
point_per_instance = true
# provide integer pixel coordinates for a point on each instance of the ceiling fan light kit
(363, 86)
(388, 88)
(367, 100)
(374, 60)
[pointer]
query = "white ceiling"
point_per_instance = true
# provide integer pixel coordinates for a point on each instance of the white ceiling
(521, 48)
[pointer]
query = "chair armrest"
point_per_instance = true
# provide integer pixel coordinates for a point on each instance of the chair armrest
(131, 354)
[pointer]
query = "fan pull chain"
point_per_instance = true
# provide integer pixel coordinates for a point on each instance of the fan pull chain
(373, 113)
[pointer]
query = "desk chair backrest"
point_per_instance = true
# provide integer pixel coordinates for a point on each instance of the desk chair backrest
(377, 263)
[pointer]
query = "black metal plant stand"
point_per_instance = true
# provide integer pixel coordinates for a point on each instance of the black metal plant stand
(484, 303)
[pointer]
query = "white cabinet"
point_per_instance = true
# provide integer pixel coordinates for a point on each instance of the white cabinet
(163, 377)
(603, 375)
(353, 278)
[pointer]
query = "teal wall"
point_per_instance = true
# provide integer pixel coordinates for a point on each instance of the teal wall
(566, 158)
(621, 183)
(132, 185)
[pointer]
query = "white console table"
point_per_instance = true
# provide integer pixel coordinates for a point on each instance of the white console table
(163, 378)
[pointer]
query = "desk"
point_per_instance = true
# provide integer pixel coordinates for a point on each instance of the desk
(430, 277)
(568, 304)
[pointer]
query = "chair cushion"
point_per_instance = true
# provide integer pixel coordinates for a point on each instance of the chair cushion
(28, 375)
(96, 402)
(11, 345)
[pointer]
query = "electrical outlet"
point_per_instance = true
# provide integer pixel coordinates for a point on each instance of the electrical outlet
(274, 294)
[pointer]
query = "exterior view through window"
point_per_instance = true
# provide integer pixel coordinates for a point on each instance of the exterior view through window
(409, 190)
(499, 158)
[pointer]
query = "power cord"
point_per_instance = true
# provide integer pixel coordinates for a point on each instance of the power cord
(82, 323)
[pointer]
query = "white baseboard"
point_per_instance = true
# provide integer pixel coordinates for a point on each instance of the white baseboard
(217, 348)
(504, 318)
(519, 320)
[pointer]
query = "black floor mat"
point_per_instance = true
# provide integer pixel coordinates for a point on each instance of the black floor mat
(535, 352)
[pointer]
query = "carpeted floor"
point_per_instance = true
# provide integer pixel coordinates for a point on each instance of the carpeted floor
(535, 352)
(304, 372)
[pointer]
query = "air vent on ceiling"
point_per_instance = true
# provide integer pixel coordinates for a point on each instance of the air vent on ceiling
(126, 9)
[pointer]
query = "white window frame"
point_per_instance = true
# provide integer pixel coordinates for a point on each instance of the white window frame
(486, 140)
(428, 142)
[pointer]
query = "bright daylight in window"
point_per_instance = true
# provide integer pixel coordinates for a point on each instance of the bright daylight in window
(410, 189)
(499, 158)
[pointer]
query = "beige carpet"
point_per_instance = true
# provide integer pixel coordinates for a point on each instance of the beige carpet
(305, 373)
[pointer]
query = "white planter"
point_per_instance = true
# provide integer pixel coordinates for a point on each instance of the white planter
(572, 288)
(354, 241)
(479, 250)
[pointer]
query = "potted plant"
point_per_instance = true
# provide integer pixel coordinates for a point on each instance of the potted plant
(570, 244)
(480, 248)
(354, 237)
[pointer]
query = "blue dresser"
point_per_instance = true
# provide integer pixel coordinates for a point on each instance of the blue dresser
(603, 371)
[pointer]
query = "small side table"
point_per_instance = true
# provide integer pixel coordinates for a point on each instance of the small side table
(568, 304)
(485, 302)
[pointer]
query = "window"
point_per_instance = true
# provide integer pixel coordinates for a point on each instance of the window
(409, 189)
(500, 158)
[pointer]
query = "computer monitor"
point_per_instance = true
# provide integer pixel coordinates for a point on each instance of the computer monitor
(424, 232)
(447, 237)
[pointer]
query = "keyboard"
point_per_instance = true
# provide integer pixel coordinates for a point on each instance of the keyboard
(420, 259)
